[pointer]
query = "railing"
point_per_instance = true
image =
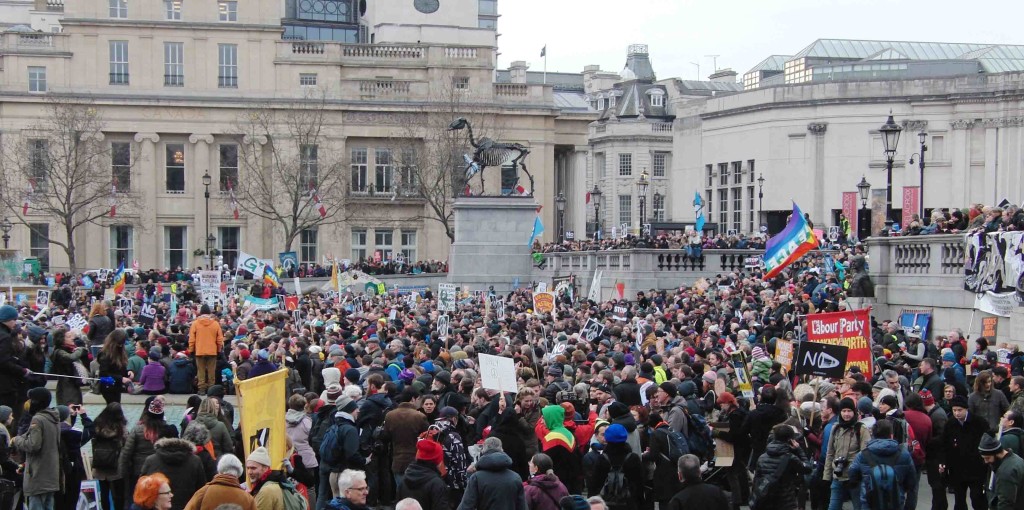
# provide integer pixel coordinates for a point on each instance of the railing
(383, 87)
(381, 51)
(37, 40)
(661, 127)
(307, 48)
(460, 52)
(511, 89)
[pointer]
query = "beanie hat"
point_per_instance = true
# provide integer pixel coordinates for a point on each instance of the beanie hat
(345, 404)
(352, 375)
(989, 445)
(927, 398)
(406, 376)
(40, 397)
(155, 354)
(864, 405)
(244, 354)
(555, 370)
(615, 433)
(215, 391)
(5, 414)
(890, 400)
(949, 356)
(63, 412)
(333, 392)
(670, 388)
(958, 401)
(617, 409)
(260, 456)
(847, 403)
(709, 377)
(155, 407)
(8, 313)
(429, 450)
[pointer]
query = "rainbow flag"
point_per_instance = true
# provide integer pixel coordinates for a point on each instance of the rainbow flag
(119, 279)
(270, 277)
(789, 245)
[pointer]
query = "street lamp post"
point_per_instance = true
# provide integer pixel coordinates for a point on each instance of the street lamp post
(863, 188)
(922, 136)
(641, 187)
(6, 226)
(206, 193)
(595, 195)
(560, 206)
(891, 138)
(760, 197)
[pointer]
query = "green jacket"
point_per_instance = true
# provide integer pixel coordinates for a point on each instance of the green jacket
(844, 442)
(1009, 481)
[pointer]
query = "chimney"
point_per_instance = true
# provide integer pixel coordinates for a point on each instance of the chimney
(517, 71)
(724, 76)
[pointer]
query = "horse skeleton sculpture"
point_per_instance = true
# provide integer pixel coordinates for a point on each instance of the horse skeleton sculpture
(491, 153)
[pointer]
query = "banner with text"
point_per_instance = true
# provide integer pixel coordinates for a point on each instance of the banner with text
(850, 210)
(994, 271)
(851, 329)
(911, 204)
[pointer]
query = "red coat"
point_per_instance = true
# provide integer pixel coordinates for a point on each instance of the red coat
(921, 424)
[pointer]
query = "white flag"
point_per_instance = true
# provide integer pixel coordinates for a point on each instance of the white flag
(595, 288)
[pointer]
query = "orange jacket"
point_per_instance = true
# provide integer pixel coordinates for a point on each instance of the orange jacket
(205, 338)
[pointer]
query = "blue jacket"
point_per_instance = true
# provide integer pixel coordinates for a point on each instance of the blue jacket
(180, 375)
(885, 451)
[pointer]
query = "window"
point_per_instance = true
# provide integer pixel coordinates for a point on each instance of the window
(309, 166)
(460, 82)
(39, 163)
(359, 176)
(410, 180)
(611, 102)
(383, 240)
(172, 9)
(332, 11)
(737, 208)
(36, 79)
(228, 11)
(230, 240)
(39, 244)
(599, 164)
(122, 245)
(227, 70)
(489, 7)
(383, 171)
(174, 64)
(175, 247)
(118, 9)
(175, 163)
(723, 174)
(659, 207)
(723, 210)
(307, 79)
(657, 99)
(119, 62)
(709, 172)
(658, 160)
(750, 209)
(626, 209)
(490, 23)
(737, 172)
(228, 165)
(750, 168)
(358, 244)
(625, 164)
(307, 246)
(121, 165)
(409, 246)
(707, 199)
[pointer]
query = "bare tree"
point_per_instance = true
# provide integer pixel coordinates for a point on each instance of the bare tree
(62, 169)
(288, 167)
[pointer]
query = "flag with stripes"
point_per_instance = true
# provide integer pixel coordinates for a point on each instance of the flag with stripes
(316, 202)
(234, 200)
(27, 202)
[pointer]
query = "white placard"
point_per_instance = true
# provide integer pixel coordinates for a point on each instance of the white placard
(833, 234)
(3, 298)
(541, 287)
(76, 322)
(298, 286)
(499, 306)
(209, 279)
(498, 373)
(442, 328)
(393, 315)
(42, 299)
(446, 297)
(592, 330)
(57, 320)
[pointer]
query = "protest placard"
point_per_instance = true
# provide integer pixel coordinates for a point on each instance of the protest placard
(543, 302)
(825, 360)
(446, 297)
(76, 322)
(592, 330)
(850, 329)
(42, 299)
(784, 353)
(498, 373)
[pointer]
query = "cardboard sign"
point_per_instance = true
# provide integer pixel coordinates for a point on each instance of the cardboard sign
(291, 303)
(989, 327)
(76, 322)
(498, 373)
(543, 302)
(499, 306)
(742, 377)
(42, 299)
(620, 313)
(849, 329)
(442, 327)
(446, 297)
(784, 353)
(826, 360)
(209, 279)
(592, 330)
(541, 287)
(125, 305)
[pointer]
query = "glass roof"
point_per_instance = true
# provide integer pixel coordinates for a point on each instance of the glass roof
(772, 63)
(854, 49)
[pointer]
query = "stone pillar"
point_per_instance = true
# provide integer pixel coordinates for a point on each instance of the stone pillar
(149, 180)
(995, 170)
(201, 148)
(491, 245)
(960, 156)
(576, 210)
(253, 238)
(818, 213)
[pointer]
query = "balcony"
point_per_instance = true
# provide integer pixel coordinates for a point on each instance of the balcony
(33, 43)
(384, 55)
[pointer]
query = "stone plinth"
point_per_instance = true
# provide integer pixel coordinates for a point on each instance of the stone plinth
(491, 236)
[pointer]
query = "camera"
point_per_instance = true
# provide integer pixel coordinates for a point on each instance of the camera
(838, 466)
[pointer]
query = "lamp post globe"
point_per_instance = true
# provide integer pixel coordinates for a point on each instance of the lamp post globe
(890, 138)
(595, 195)
(560, 201)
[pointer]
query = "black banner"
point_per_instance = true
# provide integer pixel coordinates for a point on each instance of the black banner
(827, 360)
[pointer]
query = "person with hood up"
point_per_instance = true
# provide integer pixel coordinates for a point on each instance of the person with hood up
(760, 422)
(559, 445)
(205, 342)
(177, 460)
(208, 415)
(65, 355)
(617, 454)
(544, 489)
(224, 488)
(180, 375)
(494, 485)
(784, 460)
(883, 449)
(847, 439)
(297, 424)
(423, 480)
(40, 445)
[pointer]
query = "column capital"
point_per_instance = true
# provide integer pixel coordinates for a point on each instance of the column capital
(962, 124)
(196, 138)
(259, 139)
(94, 135)
(915, 126)
(817, 128)
(152, 137)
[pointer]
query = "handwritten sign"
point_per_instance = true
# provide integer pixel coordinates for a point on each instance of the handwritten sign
(543, 302)
(498, 373)
(446, 297)
(76, 322)
(784, 353)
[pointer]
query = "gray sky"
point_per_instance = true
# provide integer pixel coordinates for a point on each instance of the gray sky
(742, 32)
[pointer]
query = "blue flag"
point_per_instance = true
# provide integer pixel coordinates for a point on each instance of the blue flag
(698, 210)
(538, 228)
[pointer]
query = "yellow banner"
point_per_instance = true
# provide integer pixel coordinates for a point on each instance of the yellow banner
(261, 404)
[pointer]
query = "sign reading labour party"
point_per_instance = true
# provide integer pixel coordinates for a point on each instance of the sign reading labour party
(849, 329)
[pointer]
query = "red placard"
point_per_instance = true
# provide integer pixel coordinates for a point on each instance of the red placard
(852, 329)
(911, 204)
(850, 210)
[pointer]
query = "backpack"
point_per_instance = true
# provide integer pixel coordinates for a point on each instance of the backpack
(293, 499)
(763, 486)
(329, 447)
(904, 434)
(615, 490)
(698, 436)
(677, 445)
(321, 424)
(881, 488)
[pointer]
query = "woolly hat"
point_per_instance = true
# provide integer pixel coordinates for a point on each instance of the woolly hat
(155, 354)
(949, 356)
(615, 433)
(5, 414)
(244, 353)
(352, 375)
(345, 404)
(8, 313)
(864, 405)
(989, 445)
(155, 407)
(332, 393)
(63, 412)
(429, 450)
(670, 388)
(709, 377)
(215, 391)
(891, 401)
(927, 398)
(958, 401)
(555, 370)
(847, 403)
(260, 456)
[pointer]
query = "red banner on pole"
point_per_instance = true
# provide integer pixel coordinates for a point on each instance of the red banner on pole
(850, 210)
(911, 204)
(852, 329)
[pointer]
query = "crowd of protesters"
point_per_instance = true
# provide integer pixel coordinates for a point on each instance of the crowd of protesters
(382, 407)
(978, 218)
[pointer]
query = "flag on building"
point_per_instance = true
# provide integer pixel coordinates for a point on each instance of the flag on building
(270, 277)
(28, 196)
(698, 210)
(538, 229)
(588, 198)
(119, 277)
(544, 51)
(234, 200)
(789, 245)
(319, 205)
(260, 400)
(113, 199)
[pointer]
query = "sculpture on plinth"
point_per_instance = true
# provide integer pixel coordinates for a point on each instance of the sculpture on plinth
(491, 153)
(860, 283)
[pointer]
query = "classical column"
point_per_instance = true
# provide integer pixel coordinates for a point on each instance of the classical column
(146, 180)
(257, 235)
(201, 147)
(576, 211)
(995, 170)
(960, 157)
(818, 214)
